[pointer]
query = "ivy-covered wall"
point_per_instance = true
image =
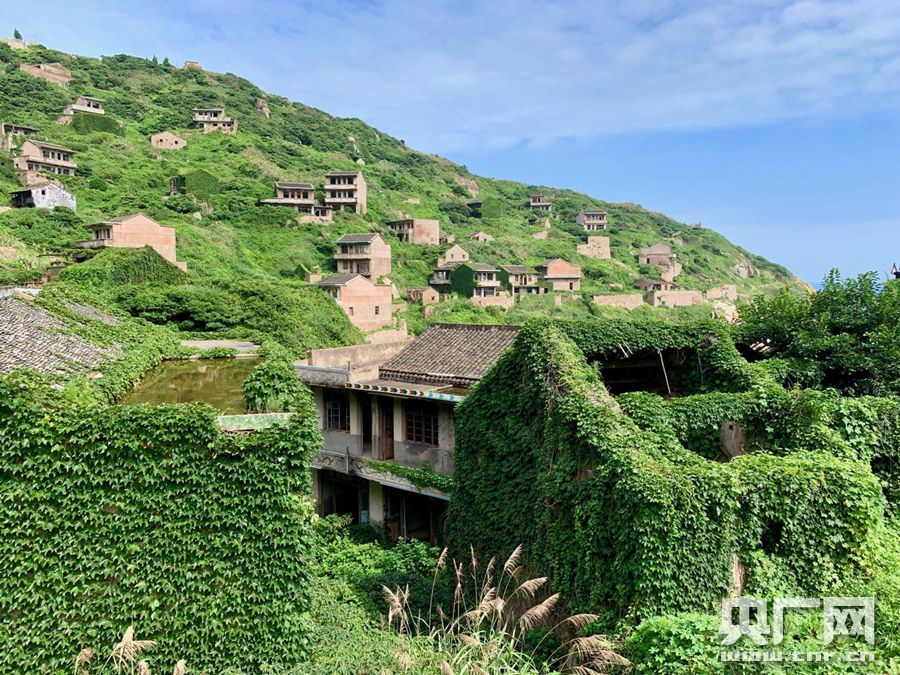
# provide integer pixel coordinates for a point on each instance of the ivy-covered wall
(616, 510)
(113, 516)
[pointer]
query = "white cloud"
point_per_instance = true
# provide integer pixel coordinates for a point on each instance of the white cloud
(451, 76)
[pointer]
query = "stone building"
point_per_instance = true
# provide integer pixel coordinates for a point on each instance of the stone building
(10, 134)
(363, 253)
(481, 236)
(646, 285)
(424, 295)
(192, 65)
(134, 231)
(417, 230)
(521, 280)
(559, 275)
(214, 119)
(592, 221)
(660, 255)
(469, 279)
(368, 305)
(596, 247)
(37, 157)
(726, 292)
(395, 403)
(46, 195)
(166, 140)
(56, 73)
(537, 202)
(454, 254)
(86, 104)
(301, 197)
(346, 190)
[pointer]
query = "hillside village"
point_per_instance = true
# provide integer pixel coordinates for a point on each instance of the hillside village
(433, 359)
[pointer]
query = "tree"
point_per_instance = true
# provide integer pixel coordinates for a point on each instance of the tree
(16, 34)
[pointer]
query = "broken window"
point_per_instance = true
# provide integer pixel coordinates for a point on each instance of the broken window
(421, 423)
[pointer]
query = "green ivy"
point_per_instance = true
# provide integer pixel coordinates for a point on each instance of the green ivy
(426, 477)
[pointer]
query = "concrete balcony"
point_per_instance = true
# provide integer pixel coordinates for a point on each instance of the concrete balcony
(93, 243)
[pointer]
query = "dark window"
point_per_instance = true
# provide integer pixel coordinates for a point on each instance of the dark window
(422, 423)
(337, 411)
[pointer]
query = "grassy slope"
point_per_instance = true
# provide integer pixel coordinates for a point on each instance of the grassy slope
(229, 237)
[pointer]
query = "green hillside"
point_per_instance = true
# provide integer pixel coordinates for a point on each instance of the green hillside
(242, 256)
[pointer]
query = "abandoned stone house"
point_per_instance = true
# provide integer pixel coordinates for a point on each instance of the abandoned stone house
(592, 221)
(302, 198)
(417, 230)
(559, 275)
(424, 295)
(596, 247)
(166, 140)
(346, 190)
(46, 195)
(364, 253)
(469, 279)
(134, 231)
(214, 119)
(85, 104)
(537, 202)
(368, 305)
(481, 235)
(454, 254)
(10, 134)
(42, 157)
(52, 72)
(661, 256)
(521, 280)
(646, 285)
(395, 403)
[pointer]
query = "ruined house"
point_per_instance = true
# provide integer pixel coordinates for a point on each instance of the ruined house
(424, 295)
(52, 72)
(596, 247)
(368, 305)
(592, 221)
(363, 253)
(86, 104)
(37, 157)
(346, 190)
(134, 231)
(46, 195)
(454, 254)
(537, 202)
(468, 279)
(559, 275)
(417, 230)
(301, 197)
(480, 236)
(395, 403)
(166, 140)
(214, 119)
(521, 280)
(11, 134)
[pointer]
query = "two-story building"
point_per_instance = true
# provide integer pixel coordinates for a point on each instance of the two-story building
(46, 195)
(417, 230)
(521, 280)
(134, 231)
(468, 279)
(454, 254)
(394, 404)
(559, 275)
(592, 221)
(346, 190)
(86, 104)
(42, 157)
(214, 119)
(537, 202)
(302, 198)
(368, 305)
(364, 253)
(661, 256)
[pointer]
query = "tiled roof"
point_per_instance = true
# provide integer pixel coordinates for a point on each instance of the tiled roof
(337, 280)
(49, 146)
(452, 354)
(30, 337)
(343, 173)
(546, 262)
(481, 267)
(357, 237)
(517, 269)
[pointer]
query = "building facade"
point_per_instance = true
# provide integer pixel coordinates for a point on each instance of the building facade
(346, 190)
(417, 231)
(56, 73)
(37, 157)
(368, 305)
(214, 119)
(596, 247)
(559, 275)
(592, 221)
(46, 195)
(86, 104)
(395, 404)
(166, 140)
(521, 280)
(134, 231)
(363, 253)
(537, 202)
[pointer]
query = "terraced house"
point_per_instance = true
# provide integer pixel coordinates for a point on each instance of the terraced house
(393, 404)
(346, 190)
(43, 157)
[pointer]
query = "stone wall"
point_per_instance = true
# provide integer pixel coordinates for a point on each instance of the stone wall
(727, 292)
(674, 298)
(629, 302)
(504, 301)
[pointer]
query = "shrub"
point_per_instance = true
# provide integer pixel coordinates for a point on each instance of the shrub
(273, 385)
(89, 124)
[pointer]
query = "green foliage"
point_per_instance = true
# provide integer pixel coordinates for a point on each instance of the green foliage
(113, 516)
(201, 183)
(849, 330)
(676, 644)
(426, 477)
(117, 267)
(86, 123)
(463, 281)
(273, 385)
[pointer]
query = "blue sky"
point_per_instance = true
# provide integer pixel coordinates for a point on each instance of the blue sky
(775, 122)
